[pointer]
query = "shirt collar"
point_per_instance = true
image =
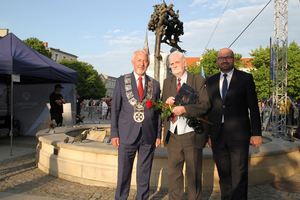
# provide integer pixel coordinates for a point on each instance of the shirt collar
(183, 78)
(136, 77)
(229, 74)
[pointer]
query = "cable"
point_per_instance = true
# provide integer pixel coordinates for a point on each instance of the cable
(249, 24)
(216, 27)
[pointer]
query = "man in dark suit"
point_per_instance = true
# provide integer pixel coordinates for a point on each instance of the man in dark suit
(135, 128)
(184, 145)
(232, 97)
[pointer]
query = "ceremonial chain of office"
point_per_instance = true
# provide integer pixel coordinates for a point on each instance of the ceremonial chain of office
(138, 114)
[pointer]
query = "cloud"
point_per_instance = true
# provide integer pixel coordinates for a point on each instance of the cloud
(107, 36)
(126, 41)
(87, 35)
(116, 31)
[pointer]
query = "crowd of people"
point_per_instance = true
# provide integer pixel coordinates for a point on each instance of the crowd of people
(100, 108)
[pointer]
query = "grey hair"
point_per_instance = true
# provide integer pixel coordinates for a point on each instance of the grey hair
(143, 51)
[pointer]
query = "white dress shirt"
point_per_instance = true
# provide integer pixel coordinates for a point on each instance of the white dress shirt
(181, 123)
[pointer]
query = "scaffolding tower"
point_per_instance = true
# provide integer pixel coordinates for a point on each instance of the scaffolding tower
(280, 54)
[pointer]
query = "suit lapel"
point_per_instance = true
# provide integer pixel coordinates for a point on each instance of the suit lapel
(173, 86)
(233, 83)
(134, 87)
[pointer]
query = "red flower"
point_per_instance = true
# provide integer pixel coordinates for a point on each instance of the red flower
(149, 104)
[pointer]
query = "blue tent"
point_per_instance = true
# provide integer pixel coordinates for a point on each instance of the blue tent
(16, 57)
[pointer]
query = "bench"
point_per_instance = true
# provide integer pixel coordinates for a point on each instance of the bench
(5, 123)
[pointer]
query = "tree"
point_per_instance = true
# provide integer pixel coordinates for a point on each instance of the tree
(89, 84)
(293, 85)
(261, 62)
(37, 45)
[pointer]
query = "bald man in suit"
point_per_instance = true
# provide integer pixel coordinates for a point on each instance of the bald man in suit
(232, 96)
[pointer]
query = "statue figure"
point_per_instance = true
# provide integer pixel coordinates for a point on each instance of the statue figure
(167, 27)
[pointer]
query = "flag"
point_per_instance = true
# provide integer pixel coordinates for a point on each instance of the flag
(272, 63)
(202, 72)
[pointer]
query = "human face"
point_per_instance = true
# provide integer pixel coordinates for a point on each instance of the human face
(140, 63)
(225, 60)
(177, 64)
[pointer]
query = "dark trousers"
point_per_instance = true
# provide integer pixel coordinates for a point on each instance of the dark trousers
(181, 149)
(58, 118)
(126, 155)
(231, 158)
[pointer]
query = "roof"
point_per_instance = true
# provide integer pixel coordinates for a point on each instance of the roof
(248, 64)
(16, 57)
(191, 60)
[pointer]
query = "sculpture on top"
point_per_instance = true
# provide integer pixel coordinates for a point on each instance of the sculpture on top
(167, 27)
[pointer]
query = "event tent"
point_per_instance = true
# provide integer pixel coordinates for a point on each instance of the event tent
(16, 57)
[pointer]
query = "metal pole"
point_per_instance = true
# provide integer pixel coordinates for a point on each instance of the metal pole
(11, 112)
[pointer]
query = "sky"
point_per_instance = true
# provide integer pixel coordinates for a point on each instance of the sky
(106, 33)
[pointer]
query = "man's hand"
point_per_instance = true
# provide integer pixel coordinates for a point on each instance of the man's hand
(179, 110)
(157, 143)
(115, 141)
(209, 142)
(256, 141)
(170, 100)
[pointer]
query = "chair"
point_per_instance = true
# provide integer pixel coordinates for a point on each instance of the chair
(5, 123)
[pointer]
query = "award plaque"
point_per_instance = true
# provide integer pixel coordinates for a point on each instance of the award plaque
(186, 95)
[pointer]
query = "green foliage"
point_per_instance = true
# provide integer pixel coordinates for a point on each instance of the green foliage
(261, 57)
(89, 84)
(293, 85)
(37, 45)
(262, 83)
(261, 62)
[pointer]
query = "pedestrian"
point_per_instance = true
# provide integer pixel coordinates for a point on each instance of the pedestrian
(56, 104)
(91, 108)
(296, 115)
(184, 144)
(104, 110)
(233, 98)
(135, 129)
(78, 105)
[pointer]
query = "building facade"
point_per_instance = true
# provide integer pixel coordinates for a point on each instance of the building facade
(58, 55)
(110, 83)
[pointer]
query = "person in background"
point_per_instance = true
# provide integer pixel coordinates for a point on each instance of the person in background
(56, 104)
(79, 103)
(91, 108)
(107, 101)
(104, 110)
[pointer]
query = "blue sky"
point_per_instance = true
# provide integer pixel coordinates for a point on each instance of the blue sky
(106, 33)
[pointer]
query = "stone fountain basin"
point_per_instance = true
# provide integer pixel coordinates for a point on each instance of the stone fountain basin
(95, 163)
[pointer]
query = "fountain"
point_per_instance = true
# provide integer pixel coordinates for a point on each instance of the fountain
(95, 163)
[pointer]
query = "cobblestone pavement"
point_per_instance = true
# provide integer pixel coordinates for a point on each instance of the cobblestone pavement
(21, 176)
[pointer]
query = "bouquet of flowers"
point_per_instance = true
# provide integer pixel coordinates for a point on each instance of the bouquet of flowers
(159, 105)
(166, 109)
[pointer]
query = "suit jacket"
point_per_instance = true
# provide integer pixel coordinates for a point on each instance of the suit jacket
(241, 96)
(122, 122)
(200, 108)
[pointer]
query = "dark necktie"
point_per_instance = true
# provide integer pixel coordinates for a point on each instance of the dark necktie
(178, 86)
(140, 89)
(224, 87)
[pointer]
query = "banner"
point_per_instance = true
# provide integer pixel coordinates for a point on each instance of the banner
(30, 106)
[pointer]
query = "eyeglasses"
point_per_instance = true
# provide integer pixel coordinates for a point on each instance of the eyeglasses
(226, 58)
